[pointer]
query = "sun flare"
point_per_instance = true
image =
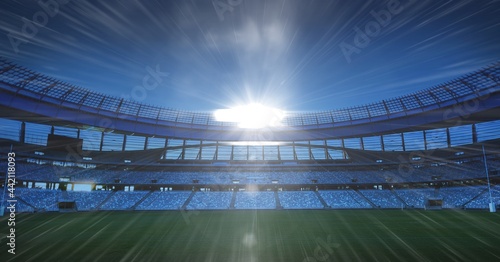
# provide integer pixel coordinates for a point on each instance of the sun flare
(251, 116)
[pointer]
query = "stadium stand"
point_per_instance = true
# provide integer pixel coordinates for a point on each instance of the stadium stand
(210, 200)
(457, 197)
(122, 200)
(382, 198)
(255, 200)
(47, 173)
(482, 201)
(87, 201)
(39, 199)
(341, 199)
(167, 200)
(415, 198)
(21, 206)
(44, 200)
(178, 159)
(299, 200)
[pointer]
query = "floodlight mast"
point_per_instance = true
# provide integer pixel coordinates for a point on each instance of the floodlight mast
(491, 205)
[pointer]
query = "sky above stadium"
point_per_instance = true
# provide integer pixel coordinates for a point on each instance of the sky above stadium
(294, 55)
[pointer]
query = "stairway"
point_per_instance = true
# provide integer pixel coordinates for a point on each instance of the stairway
(233, 200)
(485, 191)
(325, 205)
(105, 200)
(26, 203)
(64, 196)
(399, 198)
(366, 199)
(141, 200)
(278, 203)
(184, 206)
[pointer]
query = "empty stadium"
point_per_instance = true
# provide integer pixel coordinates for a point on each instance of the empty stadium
(90, 176)
(419, 151)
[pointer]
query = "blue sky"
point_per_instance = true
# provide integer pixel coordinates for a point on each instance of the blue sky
(294, 55)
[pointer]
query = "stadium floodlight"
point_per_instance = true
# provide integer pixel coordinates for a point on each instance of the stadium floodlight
(252, 116)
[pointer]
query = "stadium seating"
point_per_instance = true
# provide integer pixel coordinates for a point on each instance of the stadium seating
(382, 198)
(457, 197)
(299, 200)
(415, 198)
(483, 200)
(39, 199)
(342, 199)
(122, 200)
(47, 173)
(86, 201)
(453, 197)
(210, 200)
(168, 200)
(255, 200)
(21, 206)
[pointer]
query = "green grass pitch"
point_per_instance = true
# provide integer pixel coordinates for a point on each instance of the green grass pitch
(277, 235)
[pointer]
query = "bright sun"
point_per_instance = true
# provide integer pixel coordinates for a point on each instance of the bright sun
(251, 116)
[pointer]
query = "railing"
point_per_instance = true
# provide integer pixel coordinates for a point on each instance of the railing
(474, 84)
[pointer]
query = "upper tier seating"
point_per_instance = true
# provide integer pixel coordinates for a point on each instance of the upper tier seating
(48, 173)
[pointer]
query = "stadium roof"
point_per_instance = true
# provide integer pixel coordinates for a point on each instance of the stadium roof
(42, 89)
(291, 55)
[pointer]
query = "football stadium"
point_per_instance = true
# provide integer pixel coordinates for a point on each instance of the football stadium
(93, 176)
